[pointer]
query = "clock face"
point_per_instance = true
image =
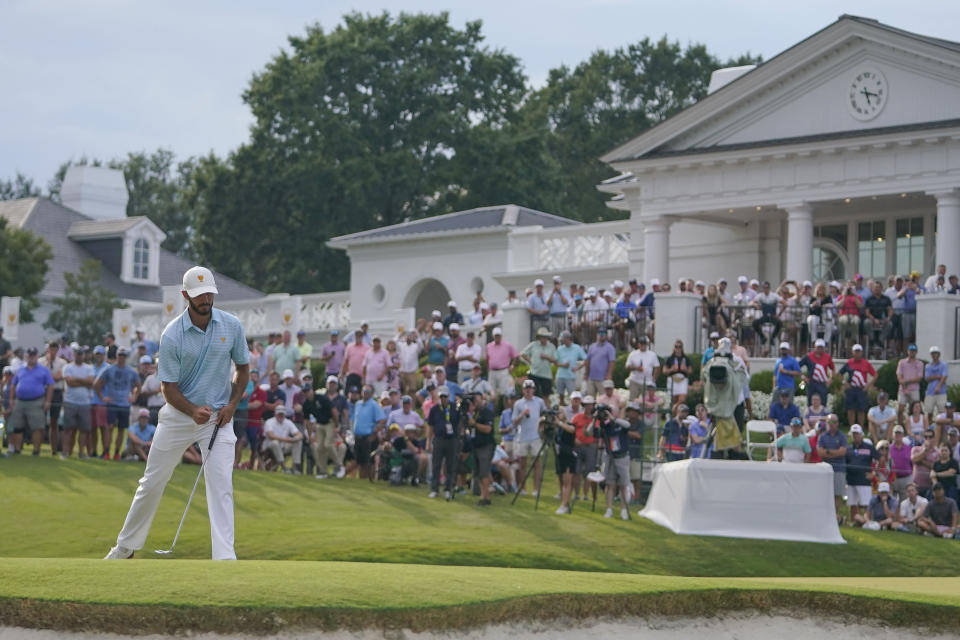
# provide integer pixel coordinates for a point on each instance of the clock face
(867, 94)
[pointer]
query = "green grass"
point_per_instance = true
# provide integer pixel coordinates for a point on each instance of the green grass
(73, 509)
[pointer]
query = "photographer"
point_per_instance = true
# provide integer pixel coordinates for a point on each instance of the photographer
(586, 447)
(724, 376)
(444, 421)
(479, 419)
(564, 435)
(616, 438)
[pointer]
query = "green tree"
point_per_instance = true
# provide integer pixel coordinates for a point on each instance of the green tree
(354, 128)
(20, 187)
(608, 99)
(85, 311)
(23, 266)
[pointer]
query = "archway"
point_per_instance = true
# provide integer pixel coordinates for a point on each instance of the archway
(425, 296)
(830, 261)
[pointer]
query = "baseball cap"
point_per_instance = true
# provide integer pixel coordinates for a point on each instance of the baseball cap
(592, 291)
(405, 399)
(700, 283)
(543, 332)
(484, 306)
(859, 276)
(683, 407)
(557, 279)
(602, 330)
(858, 347)
(123, 352)
(576, 394)
(883, 487)
(451, 304)
(301, 332)
(798, 422)
(784, 345)
(819, 342)
(438, 368)
(497, 331)
(898, 428)
(912, 347)
(934, 349)
(280, 409)
(937, 485)
(198, 281)
(454, 326)
(332, 379)
(394, 427)
(528, 384)
(99, 349)
(742, 279)
(144, 412)
(633, 406)
(304, 373)
(477, 365)
(32, 351)
(287, 373)
(146, 360)
(754, 281)
(948, 405)
(410, 427)
(654, 282)
(384, 395)
(437, 326)
(436, 313)
(856, 428)
(807, 283)
(443, 391)
(617, 284)
(608, 384)
(76, 345)
(953, 431)
(334, 332)
(714, 335)
(538, 282)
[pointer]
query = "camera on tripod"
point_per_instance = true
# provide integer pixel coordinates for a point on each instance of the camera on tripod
(601, 411)
(548, 421)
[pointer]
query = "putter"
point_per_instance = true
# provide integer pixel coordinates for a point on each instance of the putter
(166, 552)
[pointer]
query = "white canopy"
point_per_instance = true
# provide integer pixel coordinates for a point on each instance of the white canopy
(742, 499)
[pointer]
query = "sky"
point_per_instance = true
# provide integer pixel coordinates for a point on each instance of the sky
(105, 77)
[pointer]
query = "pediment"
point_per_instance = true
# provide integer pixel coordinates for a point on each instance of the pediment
(805, 92)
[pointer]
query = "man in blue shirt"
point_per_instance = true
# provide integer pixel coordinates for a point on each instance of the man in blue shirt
(784, 411)
(196, 352)
(935, 373)
(367, 416)
(31, 393)
(115, 386)
(787, 370)
(140, 436)
(98, 410)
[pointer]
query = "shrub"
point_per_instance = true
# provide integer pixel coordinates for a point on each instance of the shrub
(620, 371)
(318, 369)
(887, 378)
(762, 381)
(953, 394)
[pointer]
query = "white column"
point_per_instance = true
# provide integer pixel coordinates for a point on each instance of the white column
(948, 229)
(799, 265)
(656, 250)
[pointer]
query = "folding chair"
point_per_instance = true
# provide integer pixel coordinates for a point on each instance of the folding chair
(766, 430)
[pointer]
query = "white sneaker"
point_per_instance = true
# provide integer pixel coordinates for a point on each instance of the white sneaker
(432, 494)
(608, 513)
(448, 495)
(562, 511)
(119, 553)
(523, 492)
(321, 476)
(624, 514)
(557, 497)
(341, 471)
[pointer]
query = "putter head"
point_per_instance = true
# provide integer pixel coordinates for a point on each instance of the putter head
(164, 552)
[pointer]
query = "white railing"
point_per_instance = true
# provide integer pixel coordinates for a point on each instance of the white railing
(325, 311)
(601, 243)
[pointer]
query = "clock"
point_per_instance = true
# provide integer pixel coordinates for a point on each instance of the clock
(867, 93)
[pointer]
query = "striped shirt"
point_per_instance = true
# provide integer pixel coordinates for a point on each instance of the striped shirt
(199, 361)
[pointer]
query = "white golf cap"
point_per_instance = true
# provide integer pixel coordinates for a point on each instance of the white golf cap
(784, 345)
(754, 281)
(198, 281)
(384, 395)
(538, 282)
(332, 379)
(883, 487)
(858, 347)
(700, 283)
(437, 326)
(280, 409)
(454, 326)
(654, 282)
(934, 349)
(591, 291)
(287, 373)
(75, 345)
(143, 412)
(304, 373)
(451, 304)
(576, 394)
(807, 283)
(497, 331)
(557, 279)
(588, 399)
(146, 360)
(742, 279)
(484, 306)
(855, 428)
(819, 343)
(436, 313)
(618, 284)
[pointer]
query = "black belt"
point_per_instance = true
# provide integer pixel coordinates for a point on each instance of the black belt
(30, 399)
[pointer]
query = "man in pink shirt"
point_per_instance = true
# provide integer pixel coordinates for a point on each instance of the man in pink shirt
(376, 363)
(909, 375)
(500, 355)
(352, 369)
(900, 454)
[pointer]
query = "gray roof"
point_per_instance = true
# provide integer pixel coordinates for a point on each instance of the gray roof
(939, 42)
(502, 216)
(104, 228)
(50, 221)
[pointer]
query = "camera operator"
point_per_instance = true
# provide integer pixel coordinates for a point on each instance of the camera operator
(444, 421)
(565, 442)
(724, 376)
(615, 434)
(479, 419)
(634, 415)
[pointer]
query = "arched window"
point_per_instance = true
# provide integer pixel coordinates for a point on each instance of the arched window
(141, 259)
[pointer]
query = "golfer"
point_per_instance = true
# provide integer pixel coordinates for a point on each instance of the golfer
(194, 369)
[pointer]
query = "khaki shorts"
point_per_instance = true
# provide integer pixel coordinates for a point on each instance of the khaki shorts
(935, 404)
(528, 448)
(501, 381)
(907, 399)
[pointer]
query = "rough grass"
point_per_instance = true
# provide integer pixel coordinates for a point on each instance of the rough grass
(73, 509)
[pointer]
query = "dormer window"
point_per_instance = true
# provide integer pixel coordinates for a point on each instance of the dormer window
(141, 259)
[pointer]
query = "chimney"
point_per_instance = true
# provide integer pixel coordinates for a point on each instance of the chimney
(97, 192)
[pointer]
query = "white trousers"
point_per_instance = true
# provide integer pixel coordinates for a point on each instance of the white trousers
(175, 432)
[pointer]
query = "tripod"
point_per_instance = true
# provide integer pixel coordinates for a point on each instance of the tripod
(538, 483)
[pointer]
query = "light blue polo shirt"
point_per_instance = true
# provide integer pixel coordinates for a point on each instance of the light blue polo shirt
(199, 361)
(366, 415)
(572, 355)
